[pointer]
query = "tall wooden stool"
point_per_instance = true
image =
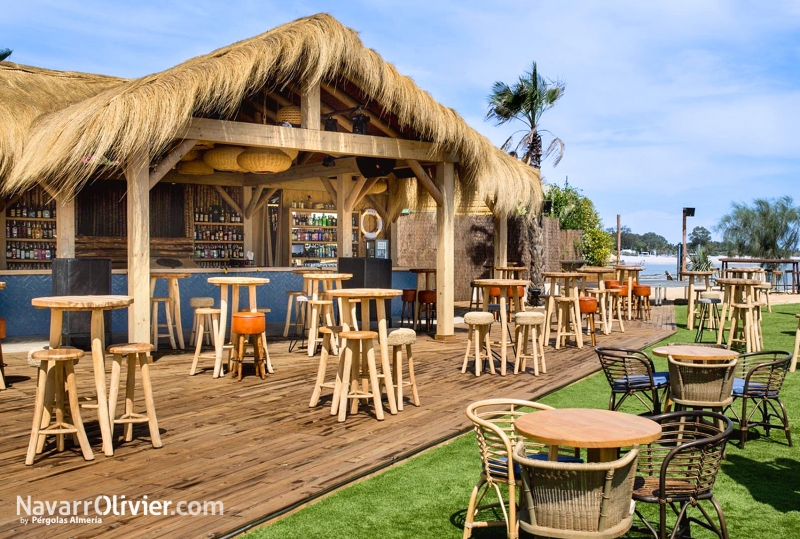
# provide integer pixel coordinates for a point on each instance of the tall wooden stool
(426, 299)
(207, 320)
(2, 365)
(764, 289)
(266, 311)
(397, 339)
(248, 324)
(614, 306)
(351, 374)
(475, 296)
(743, 327)
(200, 303)
(709, 316)
(327, 333)
(321, 311)
(56, 368)
(480, 325)
(601, 296)
(793, 365)
(298, 312)
(409, 298)
(135, 352)
(526, 324)
(588, 307)
(641, 295)
(156, 326)
(568, 321)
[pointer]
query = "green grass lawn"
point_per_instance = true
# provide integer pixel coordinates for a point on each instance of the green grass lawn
(426, 497)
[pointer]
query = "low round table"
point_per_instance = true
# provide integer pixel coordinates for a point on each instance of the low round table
(601, 432)
(696, 353)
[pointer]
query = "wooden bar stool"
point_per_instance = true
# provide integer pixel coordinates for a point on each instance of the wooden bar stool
(614, 305)
(298, 312)
(248, 324)
(207, 320)
(327, 333)
(588, 307)
(397, 339)
(201, 303)
(321, 314)
(475, 296)
(742, 329)
(601, 296)
(266, 311)
(708, 316)
(156, 326)
(526, 324)
(641, 295)
(352, 372)
(56, 369)
(134, 352)
(426, 299)
(568, 321)
(478, 332)
(409, 298)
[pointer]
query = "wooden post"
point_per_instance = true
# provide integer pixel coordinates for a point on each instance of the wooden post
(138, 178)
(445, 253)
(619, 236)
(248, 228)
(344, 229)
(65, 227)
(683, 250)
(500, 241)
(310, 108)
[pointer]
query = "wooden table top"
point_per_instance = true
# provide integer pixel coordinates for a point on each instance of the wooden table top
(367, 293)
(738, 282)
(243, 281)
(502, 282)
(689, 352)
(161, 275)
(753, 269)
(511, 268)
(81, 303)
(629, 268)
(328, 276)
(423, 270)
(587, 427)
(597, 270)
(701, 273)
(563, 274)
(301, 271)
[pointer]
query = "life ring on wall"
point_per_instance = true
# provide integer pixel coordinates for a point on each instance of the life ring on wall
(374, 234)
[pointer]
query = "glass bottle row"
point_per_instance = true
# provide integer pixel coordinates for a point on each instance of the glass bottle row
(30, 229)
(218, 251)
(223, 233)
(30, 251)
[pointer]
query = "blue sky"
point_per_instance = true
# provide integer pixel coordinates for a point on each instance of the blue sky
(668, 103)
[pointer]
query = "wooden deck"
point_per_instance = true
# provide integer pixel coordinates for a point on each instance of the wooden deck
(255, 445)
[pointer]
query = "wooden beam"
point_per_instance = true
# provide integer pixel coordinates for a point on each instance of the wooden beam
(364, 190)
(272, 136)
(65, 226)
(426, 181)
(445, 253)
(138, 199)
(303, 172)
(310, 108)
(355, 192)
(229, 179)
(228, 200)
(500, 241)
(380, 208)
(328, 185)
(265, 198)
(170, 160)
(344, 225)
(248, 211)
(350, 102)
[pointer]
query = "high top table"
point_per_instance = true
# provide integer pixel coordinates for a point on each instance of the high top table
(503, 285)
(509, 272)
(96, 305)
(734, 291)
(174, 299)
(224, 282)
(706, 276)
(352, 297)
(571, 291)
(601, 432)
(629, 274)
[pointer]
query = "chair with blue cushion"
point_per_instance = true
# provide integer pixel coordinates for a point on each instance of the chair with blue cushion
(632, 373)
(494, 426)
(762, 375)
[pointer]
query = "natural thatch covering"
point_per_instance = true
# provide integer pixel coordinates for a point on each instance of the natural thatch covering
(29, 92)
(150, 113)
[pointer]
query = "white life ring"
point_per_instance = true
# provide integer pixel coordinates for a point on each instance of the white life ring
(374, 234)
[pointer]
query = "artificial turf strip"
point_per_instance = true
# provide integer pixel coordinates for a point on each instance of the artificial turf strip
(426, 497)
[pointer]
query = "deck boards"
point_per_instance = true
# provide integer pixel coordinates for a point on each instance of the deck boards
(255, 445)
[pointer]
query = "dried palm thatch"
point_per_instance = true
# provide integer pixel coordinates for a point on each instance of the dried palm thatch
(148, 114)
(27, 93)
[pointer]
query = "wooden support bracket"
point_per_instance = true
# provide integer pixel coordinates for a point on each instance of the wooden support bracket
(228, 200)
(170, 160)
(426, 181)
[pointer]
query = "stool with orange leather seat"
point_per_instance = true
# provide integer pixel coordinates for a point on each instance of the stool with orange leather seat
(426, 299)
(244, 324)
(641, 296)
(409, 298)
(588, 307)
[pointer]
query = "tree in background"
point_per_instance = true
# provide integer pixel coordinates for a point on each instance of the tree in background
(699, 237)
(5, 53)
(576, 212)
(649, 241)
(770, 228)
(526, 101)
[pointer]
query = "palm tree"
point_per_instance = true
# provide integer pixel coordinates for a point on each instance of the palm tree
(768, 229)
(5, 53)
(526, 101)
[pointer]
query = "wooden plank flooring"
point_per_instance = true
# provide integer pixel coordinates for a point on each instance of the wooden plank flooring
(255, 445)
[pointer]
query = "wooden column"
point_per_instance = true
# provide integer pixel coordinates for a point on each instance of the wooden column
(65, 227)
(310, 108)
(138, 178)
(500, 241)
(248, 229)
(445, 253)
(344, 230)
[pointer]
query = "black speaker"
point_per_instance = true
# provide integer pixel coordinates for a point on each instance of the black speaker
(369, 273)
(82, 277)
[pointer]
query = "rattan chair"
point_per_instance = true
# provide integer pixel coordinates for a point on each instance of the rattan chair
(494, 426)
(701, 385)
(631, 373)
(575, 500)
(762, 375)
(679, 470)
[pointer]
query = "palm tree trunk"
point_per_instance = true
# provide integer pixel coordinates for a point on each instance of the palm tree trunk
(536, 249)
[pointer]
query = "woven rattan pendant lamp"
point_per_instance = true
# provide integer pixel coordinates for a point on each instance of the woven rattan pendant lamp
(224, 158)
(264, 160)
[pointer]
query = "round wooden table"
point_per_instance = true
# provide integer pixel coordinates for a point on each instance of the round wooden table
(174, 298)
(503, 285)
(352, 297)
(224, 282)
(688, 352)
(96, 305)
(734, 291)
(570, 279)
(601, 432)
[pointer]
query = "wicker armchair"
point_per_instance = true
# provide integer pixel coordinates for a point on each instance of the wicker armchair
(680, 468)
(494, 426)
(574, 500)
(701, 385)
(762, 375)
(631, 373)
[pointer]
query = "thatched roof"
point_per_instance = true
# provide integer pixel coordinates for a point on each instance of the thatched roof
(27, 93)
(150, 113)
